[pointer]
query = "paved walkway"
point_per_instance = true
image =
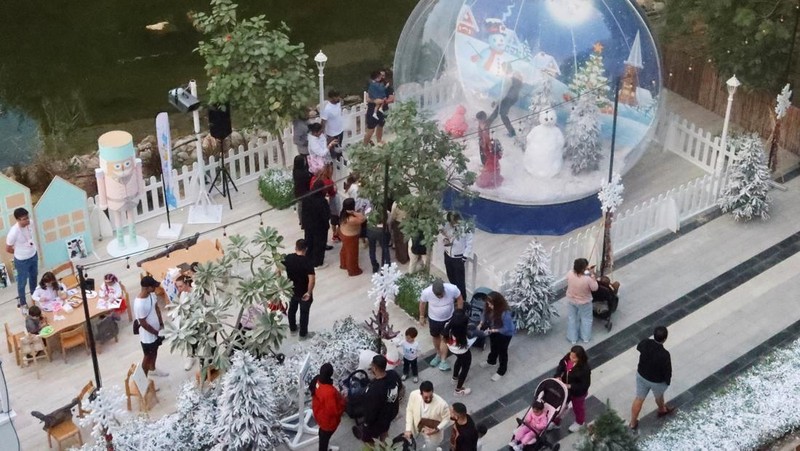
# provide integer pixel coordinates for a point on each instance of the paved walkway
(664, 279)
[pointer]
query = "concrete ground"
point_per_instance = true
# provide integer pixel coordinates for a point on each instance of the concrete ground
(717, 329)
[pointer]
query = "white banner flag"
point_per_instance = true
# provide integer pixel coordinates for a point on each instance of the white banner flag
(165, 151)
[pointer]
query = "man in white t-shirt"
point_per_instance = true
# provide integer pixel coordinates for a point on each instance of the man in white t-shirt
(19, 242)
(331, 116)
(440, 299)
(145, 307)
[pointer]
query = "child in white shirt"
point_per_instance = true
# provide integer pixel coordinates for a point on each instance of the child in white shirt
(410, 348)
(111, 291)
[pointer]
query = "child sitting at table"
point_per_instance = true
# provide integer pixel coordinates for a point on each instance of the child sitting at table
(35, 321)
(111, 291)
(49, 291)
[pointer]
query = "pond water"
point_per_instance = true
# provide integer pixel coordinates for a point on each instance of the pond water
(83, 68)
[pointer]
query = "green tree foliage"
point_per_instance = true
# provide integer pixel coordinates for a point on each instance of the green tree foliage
(254, 68)
(749, 38)
(242, 282)
(422, 160)
(607, 432)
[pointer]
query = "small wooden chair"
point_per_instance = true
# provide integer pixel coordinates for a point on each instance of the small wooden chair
(31, 349)
(128, 302)
(59, 425)
(63, 431)
(72, 338)
(65, 273)
(211, 375)
(147, 400)
(86, 392)
(12, 340)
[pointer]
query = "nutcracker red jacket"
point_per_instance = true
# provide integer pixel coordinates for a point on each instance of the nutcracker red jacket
(328, 405)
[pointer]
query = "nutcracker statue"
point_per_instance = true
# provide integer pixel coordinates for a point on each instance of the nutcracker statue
(120, 183)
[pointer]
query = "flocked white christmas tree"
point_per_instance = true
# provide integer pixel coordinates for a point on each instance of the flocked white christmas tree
(746, 195)
(529, 290)
(246, 418)
(591, 79)
(610, 197)
(541, 100)
(582, 136)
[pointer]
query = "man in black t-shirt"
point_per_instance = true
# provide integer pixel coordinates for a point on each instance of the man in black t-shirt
(654, 373)
(464, 436)
(300, 271)
(382, 401)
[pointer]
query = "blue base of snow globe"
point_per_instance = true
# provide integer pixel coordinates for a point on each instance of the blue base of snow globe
(499, 217)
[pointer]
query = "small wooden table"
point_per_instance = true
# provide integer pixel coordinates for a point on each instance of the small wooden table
(75, 317)
(203, 251)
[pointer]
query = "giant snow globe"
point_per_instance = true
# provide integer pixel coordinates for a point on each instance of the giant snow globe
(529, 87)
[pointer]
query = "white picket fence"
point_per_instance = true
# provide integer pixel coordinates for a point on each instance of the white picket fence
(661, 214)
(244, 164)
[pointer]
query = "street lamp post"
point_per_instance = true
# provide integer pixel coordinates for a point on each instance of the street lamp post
(732, 84)
(321, 59)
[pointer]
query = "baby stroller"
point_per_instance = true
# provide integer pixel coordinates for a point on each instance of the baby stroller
(474, 311)
(355, 387)
(553, 394)
(605, 300)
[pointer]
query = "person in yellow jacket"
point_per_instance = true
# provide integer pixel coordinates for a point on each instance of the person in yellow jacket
(427, 413)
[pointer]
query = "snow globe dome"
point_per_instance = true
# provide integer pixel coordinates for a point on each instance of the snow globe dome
(513, 59)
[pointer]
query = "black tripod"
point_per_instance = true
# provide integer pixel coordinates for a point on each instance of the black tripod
(222, 171)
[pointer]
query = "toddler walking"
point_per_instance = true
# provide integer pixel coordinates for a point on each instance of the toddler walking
(410, 349)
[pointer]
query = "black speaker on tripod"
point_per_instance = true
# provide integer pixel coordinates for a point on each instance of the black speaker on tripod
(219, 122)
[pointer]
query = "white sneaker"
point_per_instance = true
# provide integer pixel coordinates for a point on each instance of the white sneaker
(189, 364)
(333, 448)
(463, 392)
(158, 373)
(496, 377)
(403, 377)
(575, 427)
(485, 364)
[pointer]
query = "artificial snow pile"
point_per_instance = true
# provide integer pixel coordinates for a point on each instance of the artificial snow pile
(529, 290)
(755, 409)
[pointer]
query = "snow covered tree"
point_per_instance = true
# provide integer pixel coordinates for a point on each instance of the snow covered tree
(591, 79)
(582, 136)
(782, 105)
(529, 291)
(608, 432)
(541, 100)
(746, 195)
(246, 418)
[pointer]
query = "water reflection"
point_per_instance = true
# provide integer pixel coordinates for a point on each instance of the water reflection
(103, 50)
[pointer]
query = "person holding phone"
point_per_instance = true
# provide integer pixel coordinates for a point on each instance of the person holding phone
(581, 281)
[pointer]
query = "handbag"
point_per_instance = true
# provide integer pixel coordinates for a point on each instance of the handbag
(136, 325)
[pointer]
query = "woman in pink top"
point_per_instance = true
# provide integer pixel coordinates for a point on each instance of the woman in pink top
(580, 284)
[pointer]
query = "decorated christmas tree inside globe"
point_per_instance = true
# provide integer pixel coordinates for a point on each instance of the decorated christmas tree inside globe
(529, 86)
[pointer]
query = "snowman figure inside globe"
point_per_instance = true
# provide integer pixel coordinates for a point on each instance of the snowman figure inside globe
(544, 147)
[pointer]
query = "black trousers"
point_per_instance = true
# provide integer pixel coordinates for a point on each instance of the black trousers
(502, 109)
(305, 308)
(461, 368)
(456, 273)
(324, 439)
(499, 350)
(410, 365)
(316, 239)
(376, 235)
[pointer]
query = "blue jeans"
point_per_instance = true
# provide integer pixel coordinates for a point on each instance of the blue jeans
(374, 235)
(579, 321)
(27, 270)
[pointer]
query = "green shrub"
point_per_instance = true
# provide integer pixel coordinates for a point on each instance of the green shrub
(277, 188)
(410, 287)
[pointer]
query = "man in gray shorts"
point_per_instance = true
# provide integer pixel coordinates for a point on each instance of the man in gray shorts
(440, 300)
(654, 373)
